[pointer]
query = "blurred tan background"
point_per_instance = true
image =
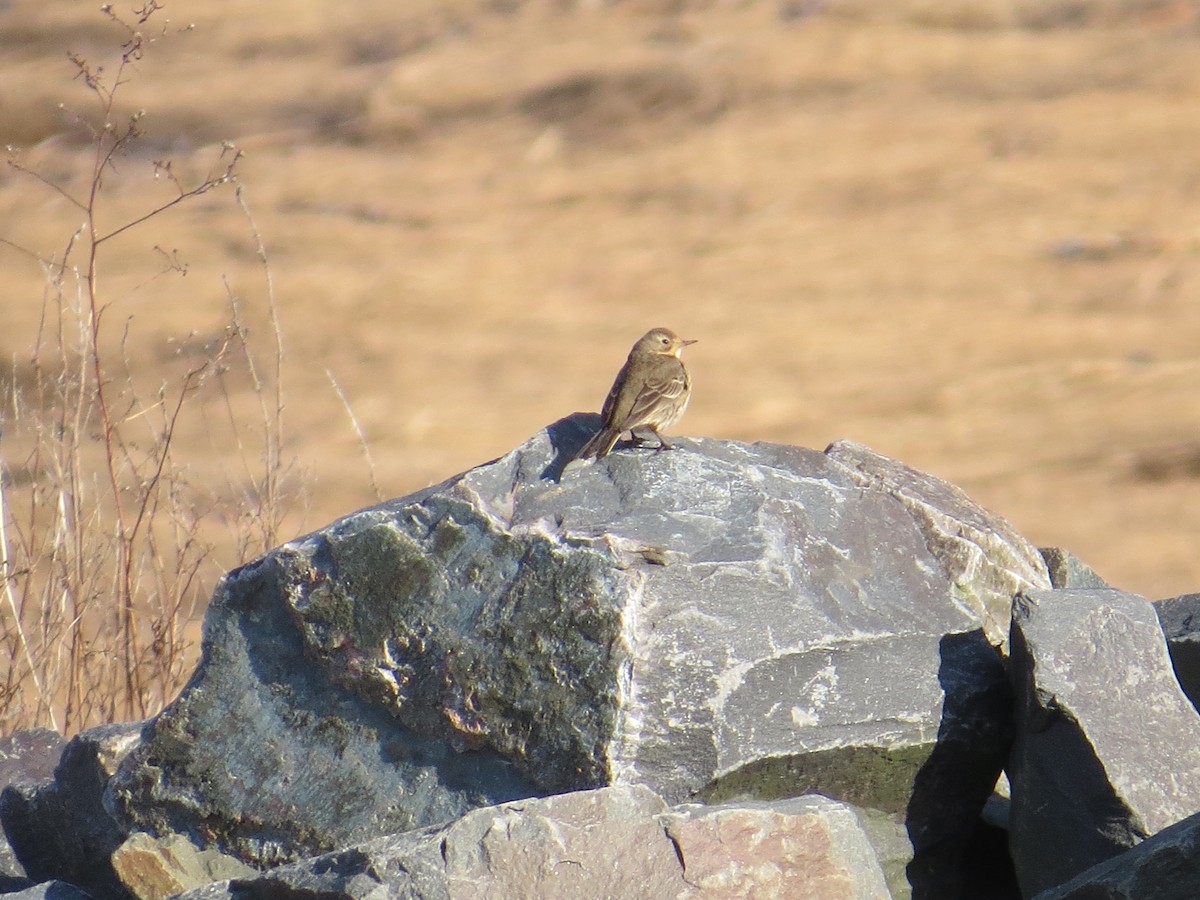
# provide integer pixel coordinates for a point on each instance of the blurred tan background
(963, 233)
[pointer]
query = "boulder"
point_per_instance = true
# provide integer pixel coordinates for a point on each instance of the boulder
(611, 842)
(1180, 620)
(1106, 750)
(27, 758)
(61, 830)
(1165, 866)
(722, 621)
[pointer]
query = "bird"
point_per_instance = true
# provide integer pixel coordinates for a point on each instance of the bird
(651, 392)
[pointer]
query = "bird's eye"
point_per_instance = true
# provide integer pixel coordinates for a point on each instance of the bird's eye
(665, 340)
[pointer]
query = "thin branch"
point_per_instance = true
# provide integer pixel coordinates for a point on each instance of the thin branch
(202, 188)
(362, 438)
(272, 422)
(36, 257)
(8, 574)
(62, 192)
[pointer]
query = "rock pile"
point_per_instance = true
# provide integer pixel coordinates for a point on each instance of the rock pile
(727, 670)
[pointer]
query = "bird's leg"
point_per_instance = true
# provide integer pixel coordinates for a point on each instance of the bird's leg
(640, 440)
(662, 442)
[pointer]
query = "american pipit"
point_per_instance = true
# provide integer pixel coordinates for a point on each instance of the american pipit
(651, 392)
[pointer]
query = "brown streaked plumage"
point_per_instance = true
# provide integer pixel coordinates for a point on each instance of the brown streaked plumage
(651, 392)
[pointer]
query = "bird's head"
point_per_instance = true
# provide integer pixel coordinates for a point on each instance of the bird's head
(663, 341)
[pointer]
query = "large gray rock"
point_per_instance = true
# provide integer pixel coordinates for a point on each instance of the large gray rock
(26, 758)
(1107, 750)
(61, 830)
(613, 842)
(1165, 866)
(984, 558)
(721, 621)
(1180, 620)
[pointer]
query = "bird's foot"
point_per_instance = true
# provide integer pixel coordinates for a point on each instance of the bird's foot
(651, 439)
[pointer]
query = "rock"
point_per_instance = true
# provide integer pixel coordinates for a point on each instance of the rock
(154, 869)
(61, 830)
(893, 849)
(722, 621)
(1068, 571)
(985, 559)
(28, 758)
(997, 810)
(805, 847)
(986, 866)
(1180, 620)
(9, 882)
(956, 781)
(50, 890)
(612, 842)
(1106, 751)
(1163, 867)
(267, 755)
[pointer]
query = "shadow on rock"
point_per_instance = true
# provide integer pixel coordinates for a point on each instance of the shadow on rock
(950, 790)
(567, 437)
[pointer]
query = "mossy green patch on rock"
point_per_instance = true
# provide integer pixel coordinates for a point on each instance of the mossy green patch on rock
(877, 777)
(387, 576)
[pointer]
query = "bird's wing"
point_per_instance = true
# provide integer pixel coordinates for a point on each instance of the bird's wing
(611, 413)
(666, 384)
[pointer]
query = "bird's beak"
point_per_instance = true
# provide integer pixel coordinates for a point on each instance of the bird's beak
(694, 341)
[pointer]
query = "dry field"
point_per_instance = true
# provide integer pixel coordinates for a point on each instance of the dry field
(964, 233)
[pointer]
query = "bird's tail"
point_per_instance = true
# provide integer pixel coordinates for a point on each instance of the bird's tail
(602, 441)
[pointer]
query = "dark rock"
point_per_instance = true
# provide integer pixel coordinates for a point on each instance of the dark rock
(612, 842)
(1105, 752)
(61, 830)
(50, 890)
(957, 780)
(1068, 571)
(986, 866)
(997, 811)
(1163, 867)
(28, 758)
(721, 621)
(1180, 620)
(11, 884)
(269, 755)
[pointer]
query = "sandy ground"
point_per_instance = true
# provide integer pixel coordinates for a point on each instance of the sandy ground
(964, 234)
